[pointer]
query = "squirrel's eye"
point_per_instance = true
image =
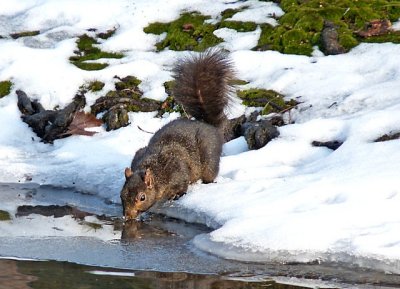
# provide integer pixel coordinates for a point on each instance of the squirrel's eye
(142, 197)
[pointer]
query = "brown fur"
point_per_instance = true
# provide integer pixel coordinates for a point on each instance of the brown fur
(183, 151)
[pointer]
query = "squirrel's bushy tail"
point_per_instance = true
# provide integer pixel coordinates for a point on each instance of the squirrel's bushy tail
(204, 85)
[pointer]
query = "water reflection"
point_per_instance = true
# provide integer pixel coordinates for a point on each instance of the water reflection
(63, 275)
(137, 230)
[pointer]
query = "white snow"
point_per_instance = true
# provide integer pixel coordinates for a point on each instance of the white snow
(259, 12)
(288, 201)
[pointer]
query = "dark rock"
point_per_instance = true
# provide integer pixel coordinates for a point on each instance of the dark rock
(24, 103)
(333, 145)
(387, 137)
(330, 40)
(48, 124)
(39, 122)
(277, 120)
(258, 134)
(233, 128)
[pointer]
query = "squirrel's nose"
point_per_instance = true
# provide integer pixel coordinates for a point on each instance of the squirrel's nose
(131, 214)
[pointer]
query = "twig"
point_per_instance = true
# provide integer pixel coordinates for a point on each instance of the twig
(145, 130)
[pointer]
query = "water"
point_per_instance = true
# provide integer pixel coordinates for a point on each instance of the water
(157, 253)
(59, 275)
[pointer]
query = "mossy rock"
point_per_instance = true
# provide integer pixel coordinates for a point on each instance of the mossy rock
(128, 82)
(5, 216)
(188, 32)
(88, 52)
(270, 100)
(126, 97)
(24, 34)
(307, 18)
(5, 88)
(169, 105)
(108, 34)
(169, 86)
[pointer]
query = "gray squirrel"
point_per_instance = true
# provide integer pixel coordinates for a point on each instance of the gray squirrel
(185, 150)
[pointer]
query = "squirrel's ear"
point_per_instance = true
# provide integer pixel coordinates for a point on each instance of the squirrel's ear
(149, 179)
(128, 172)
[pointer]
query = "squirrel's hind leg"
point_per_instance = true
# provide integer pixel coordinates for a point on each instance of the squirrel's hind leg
(210, 165)
(210, 173)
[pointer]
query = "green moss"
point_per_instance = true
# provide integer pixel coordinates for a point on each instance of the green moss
(239, 25)
(270, 100)
(95, 85)
(112, 93)
(24, 34)
(347, 40)
(85, 43)
(310, 22)
(307, 19)
(296, 41)
(5, 88)
(90, 65)
(169, 85)
(286, 5)
(169, 105)
(228, 13)
(188, 32)
(391, 36)
(156, 28)
(128, 82)
(87, 51)
(269, 39)
(5, 216)
(239, 82)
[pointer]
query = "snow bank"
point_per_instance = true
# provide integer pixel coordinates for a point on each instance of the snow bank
(288, 201)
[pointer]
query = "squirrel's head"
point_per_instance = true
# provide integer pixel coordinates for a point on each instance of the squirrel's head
(138, 193)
